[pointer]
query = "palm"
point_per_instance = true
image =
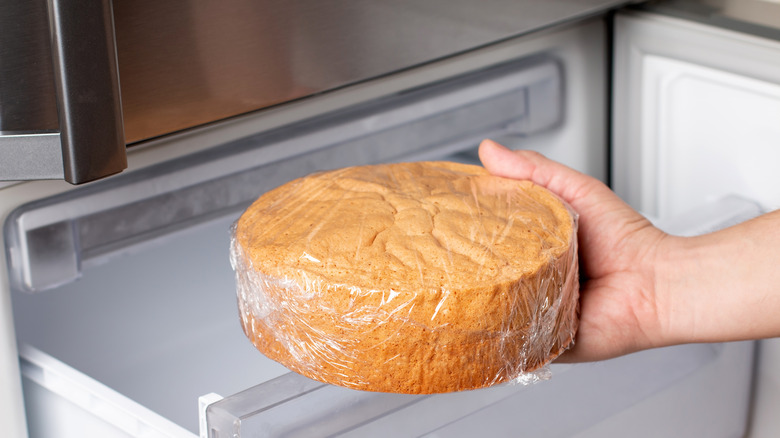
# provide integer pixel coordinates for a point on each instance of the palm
(618, 309)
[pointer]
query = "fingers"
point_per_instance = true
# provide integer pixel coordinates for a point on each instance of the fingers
(529, 165)
(604, 219)
(579, 190)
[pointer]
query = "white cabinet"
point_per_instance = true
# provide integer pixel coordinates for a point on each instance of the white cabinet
(696, 119)
(696, 114)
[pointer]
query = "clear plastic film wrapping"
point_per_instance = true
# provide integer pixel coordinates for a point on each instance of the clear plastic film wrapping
(411, 277)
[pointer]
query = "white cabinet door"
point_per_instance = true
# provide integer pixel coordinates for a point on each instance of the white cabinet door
(697, 118)
(696, 114)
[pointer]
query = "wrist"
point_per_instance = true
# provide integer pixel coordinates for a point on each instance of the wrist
(671, 257)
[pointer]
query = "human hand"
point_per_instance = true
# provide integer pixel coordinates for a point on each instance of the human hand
(620, 309)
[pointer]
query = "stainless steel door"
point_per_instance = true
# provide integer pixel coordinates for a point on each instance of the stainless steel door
(60, 113)
(189, 63)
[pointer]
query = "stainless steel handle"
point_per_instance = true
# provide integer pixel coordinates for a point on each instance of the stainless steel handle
(88, 142)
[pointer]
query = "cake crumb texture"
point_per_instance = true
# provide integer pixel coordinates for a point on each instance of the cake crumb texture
(417, 278)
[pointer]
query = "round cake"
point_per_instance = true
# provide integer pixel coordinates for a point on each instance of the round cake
(410, 278)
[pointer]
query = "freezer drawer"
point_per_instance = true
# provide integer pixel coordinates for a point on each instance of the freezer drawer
(133, 356)
(576, 400)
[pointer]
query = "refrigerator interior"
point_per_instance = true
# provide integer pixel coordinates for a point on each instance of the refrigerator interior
(122, 336)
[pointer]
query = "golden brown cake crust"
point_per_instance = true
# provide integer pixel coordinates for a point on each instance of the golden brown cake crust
(410, 277)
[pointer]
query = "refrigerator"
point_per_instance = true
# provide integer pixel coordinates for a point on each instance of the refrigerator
(119, 314)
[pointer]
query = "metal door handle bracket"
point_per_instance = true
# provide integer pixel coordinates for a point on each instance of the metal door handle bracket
(89, 142)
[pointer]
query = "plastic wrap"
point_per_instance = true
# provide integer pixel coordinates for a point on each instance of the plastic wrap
(411, 277)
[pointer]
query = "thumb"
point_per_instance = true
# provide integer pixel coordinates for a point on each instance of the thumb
(564, 181)
(598, 207)
(587, 195)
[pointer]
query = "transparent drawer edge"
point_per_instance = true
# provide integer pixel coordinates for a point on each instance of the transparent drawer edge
(292, 405)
